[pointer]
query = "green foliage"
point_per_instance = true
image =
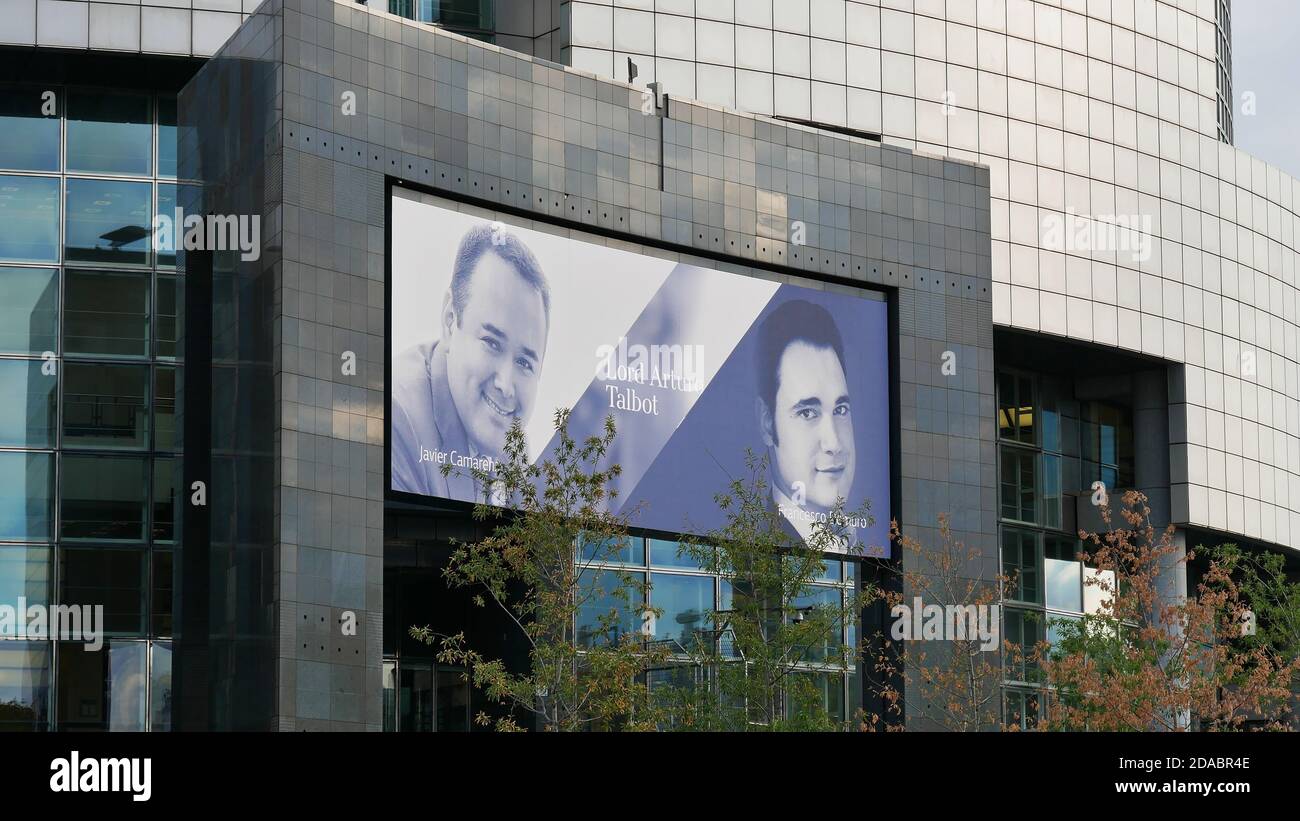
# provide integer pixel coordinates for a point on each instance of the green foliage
(531, 569)
(762, 667)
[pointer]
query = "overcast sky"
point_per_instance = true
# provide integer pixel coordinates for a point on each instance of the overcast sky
(1266, 60)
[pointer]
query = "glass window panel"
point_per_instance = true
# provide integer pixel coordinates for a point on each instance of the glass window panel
(104, 497)
(830, 570)
(1020, 564)
(628, 549)
(166, 250)
(106, 312)
(24, 686)
(416, 699)
(390, 696)
(685, 602)
(665, 553)
(28, 410)
(25, 573)
(603, 615)
(160, 688)
(109, 133)
(26, 496)
(452, 702)
(166, 136)
(160, 607)
(105, 406)
(165, 499)
(113, 577)
(29, 219)
(170, 300)
(1064, 584)
(1018, 484)
(164, 409)
(108, 221)
(1023, 630)
(29, 138)
(827, 600)
(1006, 406)
(103, 689)
(29, 310)
(1052, 499)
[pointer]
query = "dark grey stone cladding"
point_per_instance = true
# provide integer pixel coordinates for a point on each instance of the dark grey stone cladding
(471, 120)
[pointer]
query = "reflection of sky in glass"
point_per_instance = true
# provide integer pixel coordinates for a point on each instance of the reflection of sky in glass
(29, 140)
(108, 221)
(599, 604)
(26, 491)
(1063, 585)
(127, 682)
(29, 219)
(25, 677)
(109, 133)
(24, 571)
(685, 602)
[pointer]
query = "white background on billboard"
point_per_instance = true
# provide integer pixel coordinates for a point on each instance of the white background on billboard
(597, 293)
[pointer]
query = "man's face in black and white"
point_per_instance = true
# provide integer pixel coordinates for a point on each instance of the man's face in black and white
(810, 426)
(494, 352)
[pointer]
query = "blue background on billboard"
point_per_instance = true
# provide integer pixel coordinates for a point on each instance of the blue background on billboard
(708, 449)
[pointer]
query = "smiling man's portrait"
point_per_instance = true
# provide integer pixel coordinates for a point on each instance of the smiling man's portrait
(455, 396)
(804, 412)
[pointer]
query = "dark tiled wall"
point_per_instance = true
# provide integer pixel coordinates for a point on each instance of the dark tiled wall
(473, 120)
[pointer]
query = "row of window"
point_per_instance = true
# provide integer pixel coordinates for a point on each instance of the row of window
(100, 498)
(122, 686)
(106, 406)
(105, 222)
(85, 131)
(123, 314)
(133, 584)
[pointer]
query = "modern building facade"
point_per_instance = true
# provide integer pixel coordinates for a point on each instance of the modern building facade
(1085, 282)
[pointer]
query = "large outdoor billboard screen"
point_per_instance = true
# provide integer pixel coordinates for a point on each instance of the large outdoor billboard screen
(491, 322)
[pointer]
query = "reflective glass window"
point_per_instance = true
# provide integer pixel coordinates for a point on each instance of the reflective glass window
(28, 410)
(29, 136)
(106, 312)
(1063, 575)
(104, 497)
(116, 578)
(166, 244)
(105, 406)
(167, 333)
(26, 496)
(103, 689)
(29, 310)
(108, 221)
(1020, 565)
(627, 549)
(29, 219)
(24, 686)
(160, 608)
(166, 136)
(665, 553)
(1019, 484)
(109, 133)
(166, 436)
(826, 603)
(160, 687)
(164, 499)
(603, 615)
(24, 572)
(452, 700)
(685, 603)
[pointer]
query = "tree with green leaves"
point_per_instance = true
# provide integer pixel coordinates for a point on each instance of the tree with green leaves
(778, 639)
(1146, 660)
(545, 567)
